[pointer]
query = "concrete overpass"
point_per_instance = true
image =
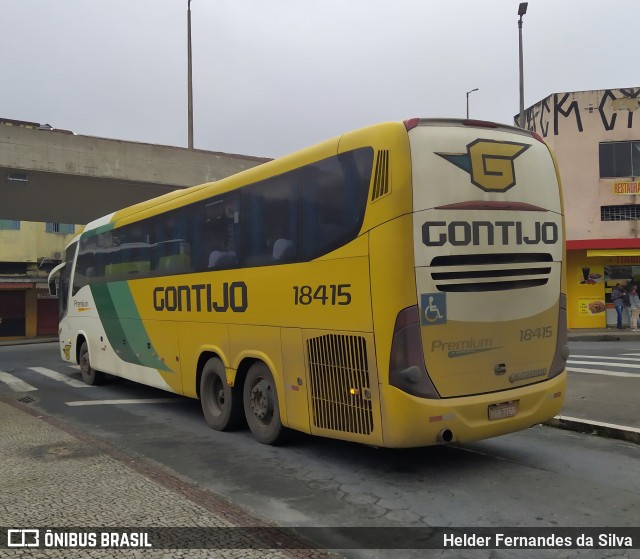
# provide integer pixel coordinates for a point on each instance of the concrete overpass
(56, 176)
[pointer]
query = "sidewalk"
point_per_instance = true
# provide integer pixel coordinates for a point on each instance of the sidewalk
(55, 476)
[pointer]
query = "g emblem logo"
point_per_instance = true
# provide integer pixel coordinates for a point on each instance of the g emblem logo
(489, 162)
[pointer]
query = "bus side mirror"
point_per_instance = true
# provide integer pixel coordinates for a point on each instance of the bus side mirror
(53, 291)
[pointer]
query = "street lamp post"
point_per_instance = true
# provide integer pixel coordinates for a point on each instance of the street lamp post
(190, 85)
(476, 89)
(522, 9)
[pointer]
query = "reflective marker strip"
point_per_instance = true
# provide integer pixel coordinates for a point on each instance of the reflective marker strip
(123, 402)
(15, 383)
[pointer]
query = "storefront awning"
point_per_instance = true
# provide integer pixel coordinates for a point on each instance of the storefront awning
(615, 252)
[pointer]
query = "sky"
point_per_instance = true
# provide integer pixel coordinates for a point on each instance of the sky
(274, 76)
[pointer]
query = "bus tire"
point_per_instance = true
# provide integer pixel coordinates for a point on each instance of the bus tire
(89, 375)
(221, 405)
(260, 399)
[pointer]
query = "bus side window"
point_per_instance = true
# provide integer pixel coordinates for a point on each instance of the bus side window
(334, 197)
(170, 243)
(220, 231)
(270, 227)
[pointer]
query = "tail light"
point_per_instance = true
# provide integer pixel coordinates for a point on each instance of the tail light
(559, 362)
(407, 370)
(538, 137)
(411, 123)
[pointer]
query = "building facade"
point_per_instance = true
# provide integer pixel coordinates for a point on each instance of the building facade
(28, 252)
(51, 174)
(595, 136)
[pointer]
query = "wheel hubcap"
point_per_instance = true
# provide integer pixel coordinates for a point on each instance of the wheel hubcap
(262, 401)
(218, 392)
(84, 364)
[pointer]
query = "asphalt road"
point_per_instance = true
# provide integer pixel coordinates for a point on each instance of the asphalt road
(539, 477)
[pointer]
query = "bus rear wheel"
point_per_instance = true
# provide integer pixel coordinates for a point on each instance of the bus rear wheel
(89, 375)
(261, 409)
(221, 405)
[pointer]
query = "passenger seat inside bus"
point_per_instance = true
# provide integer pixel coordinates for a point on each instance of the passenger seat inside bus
(283, 250)
(222, 259)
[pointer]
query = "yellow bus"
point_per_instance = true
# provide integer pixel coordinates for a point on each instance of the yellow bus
(400, 285)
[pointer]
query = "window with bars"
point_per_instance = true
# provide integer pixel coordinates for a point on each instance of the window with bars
(627, 212)
(9, 224)
(64, 228)
(619, 159)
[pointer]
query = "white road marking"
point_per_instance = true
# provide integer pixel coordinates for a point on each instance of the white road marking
(15, 383)
(608, 358)
(629, 365)
(123, 402)
(59, 377)
(602, 372)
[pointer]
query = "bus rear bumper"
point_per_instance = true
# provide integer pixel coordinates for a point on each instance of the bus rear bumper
(409, 421)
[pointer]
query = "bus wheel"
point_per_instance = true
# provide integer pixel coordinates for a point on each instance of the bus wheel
(261, 405)
(221, 406)
(89, 375)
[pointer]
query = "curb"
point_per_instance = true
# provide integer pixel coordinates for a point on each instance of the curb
(25, 341)
(598, 428)
(601, 338)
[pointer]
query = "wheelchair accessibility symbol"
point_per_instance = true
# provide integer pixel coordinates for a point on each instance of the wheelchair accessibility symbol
(433, 308)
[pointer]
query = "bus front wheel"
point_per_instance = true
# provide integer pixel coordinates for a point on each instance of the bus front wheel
(89, 375)
(221, 406)
(261, 405)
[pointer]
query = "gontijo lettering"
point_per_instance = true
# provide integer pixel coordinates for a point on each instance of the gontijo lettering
(202, 297)
(462, 233)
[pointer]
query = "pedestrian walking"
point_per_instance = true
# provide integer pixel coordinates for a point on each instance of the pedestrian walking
(617, 298)
(634, 301)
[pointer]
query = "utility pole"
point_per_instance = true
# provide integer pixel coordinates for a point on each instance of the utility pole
(476, 89)
(189, 75)
(522, 9)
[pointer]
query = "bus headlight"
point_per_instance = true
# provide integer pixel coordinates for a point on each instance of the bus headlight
(559, 362)
(407, 370)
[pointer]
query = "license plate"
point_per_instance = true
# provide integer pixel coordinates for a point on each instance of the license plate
(505, 409)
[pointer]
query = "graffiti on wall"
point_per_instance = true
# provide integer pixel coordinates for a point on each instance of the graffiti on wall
(544, 117)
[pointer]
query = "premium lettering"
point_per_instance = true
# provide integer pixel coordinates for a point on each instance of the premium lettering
(458, 345)
(202, 297)
(463, 233)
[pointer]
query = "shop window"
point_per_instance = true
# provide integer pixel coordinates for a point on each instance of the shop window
(9, 224)
(619, 159)
(65, 228)
(628, 212)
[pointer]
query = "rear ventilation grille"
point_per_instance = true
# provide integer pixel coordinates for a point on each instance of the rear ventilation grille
(340, 392)
(490, 272)
(381, 177)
